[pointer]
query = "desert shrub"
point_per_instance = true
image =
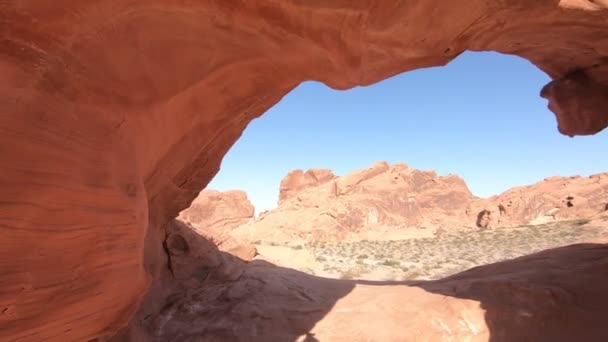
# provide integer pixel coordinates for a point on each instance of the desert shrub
(350, 274)
(297, 247)
(390, 263)
(434, 266)
(362, 256)
(413, 274)
(321, 258)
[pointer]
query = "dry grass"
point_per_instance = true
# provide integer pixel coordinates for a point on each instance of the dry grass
(437, 257)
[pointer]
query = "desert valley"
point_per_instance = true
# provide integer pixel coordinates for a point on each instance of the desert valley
(392, 222)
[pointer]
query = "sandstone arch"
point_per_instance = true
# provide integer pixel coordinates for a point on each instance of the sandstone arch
(116, 113)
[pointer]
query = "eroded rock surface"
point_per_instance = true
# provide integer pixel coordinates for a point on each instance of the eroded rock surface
(299, 180)
(116, 113)
(214, 214)
(381, 201)
(395, 202)
(553, 199)
(219, 210)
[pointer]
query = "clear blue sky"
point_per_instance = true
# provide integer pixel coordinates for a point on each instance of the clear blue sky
(479, 117)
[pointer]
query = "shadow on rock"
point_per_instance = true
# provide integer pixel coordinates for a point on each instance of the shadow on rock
(559, 294)
(207, 295)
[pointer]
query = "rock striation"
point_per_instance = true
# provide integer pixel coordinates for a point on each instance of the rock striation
(214, 214)
(219, 210)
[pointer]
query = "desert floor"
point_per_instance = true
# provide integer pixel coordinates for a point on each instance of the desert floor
(429, 258)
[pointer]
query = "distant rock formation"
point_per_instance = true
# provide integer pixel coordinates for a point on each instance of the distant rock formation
(553, 199)
(299, 180)
(394, 201)
(381, 200)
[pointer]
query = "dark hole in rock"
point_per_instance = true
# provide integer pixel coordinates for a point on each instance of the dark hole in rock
(483, 219)
(502, 209)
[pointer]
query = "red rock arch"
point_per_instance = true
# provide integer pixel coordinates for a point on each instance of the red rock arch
(116, 113)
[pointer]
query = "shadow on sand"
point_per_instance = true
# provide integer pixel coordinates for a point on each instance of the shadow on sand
(559, 294)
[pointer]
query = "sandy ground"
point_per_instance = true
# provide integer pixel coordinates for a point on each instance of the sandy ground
(430, 257)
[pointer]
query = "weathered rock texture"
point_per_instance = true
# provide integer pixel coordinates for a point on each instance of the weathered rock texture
(299, 180)
(395, 201)
(116, 113)
(381, 201)
(219, 210)
(215, 214)
(553, 199)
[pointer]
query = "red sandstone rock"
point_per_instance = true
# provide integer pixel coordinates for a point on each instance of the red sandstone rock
(215, 214)
(218, 211)
(116, 113)
(578, 115)
(298, 180)
(554, 199)
(393, 201)
(382, 201)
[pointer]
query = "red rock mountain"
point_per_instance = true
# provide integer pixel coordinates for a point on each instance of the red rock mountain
(394, 201)
(298, 180)
(554, 198)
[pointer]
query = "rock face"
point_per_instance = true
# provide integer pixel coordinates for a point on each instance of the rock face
(215, 214)
(570, 112)
(116, 113)
(219, 211)
(381, 201)
(395, 201)
(553, 199)
(298, 180)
